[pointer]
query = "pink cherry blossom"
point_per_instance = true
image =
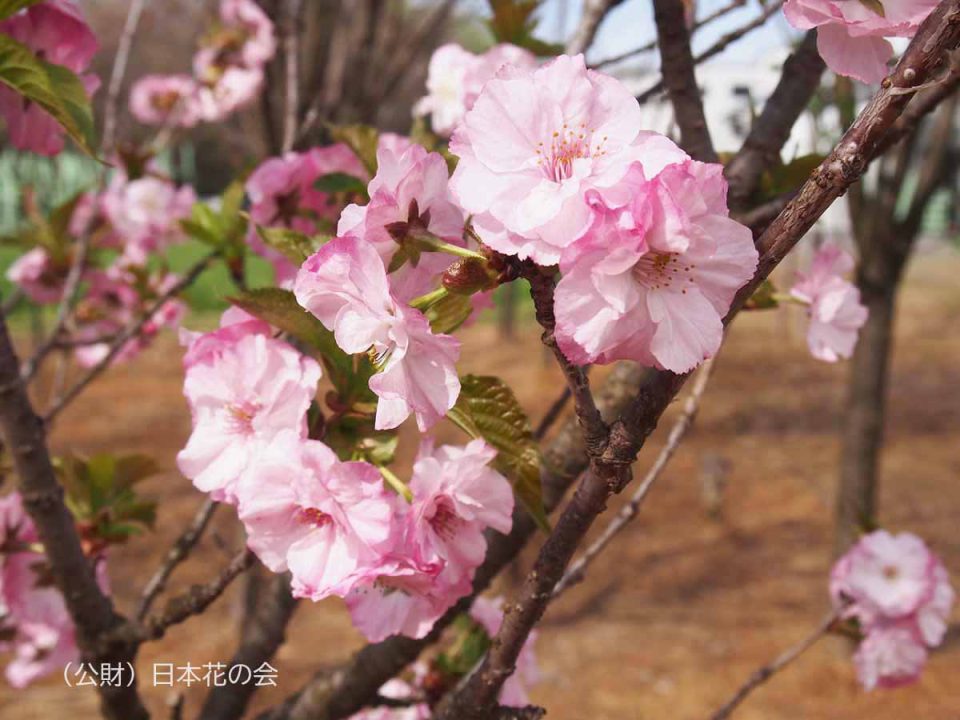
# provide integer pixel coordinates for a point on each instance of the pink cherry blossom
(39, 276)
(116, 299)
(258, 45)
(326, 521)
(532, 147)
(242, 394)
(145, 213)
(56, 30)
(836, 313)
(440, 542)
(398, 690)
(456, 76)
(850, 35)
(34, 621)
(489, 614)
(282, 194)
(165, 100)
(890, 657)
(224, 90)
(345, 285)
(652, 280)
(408, 179)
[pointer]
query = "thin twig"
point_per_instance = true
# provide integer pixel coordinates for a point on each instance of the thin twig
(128, 334)
(763, 674)
(120, 61)
(554, 411)
(181, 549)
(720, 45)
(293, 17)
(628, 512)
(652, 45)
(593, 13)
(196, 599)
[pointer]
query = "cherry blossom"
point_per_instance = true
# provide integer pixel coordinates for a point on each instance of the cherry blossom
(395, 689)
(34, 623)
(851, 35)
(244, 388)
(456, 76)
(326, 521)
(345, 285)
(39, 275)
(489, 614)
(146, 212)
(532, 147)
(165, 100)
(412, 186)
(836, 313)
(246, 17)
(900, 594)
(282, 193)
(653, 279)
(55, 30)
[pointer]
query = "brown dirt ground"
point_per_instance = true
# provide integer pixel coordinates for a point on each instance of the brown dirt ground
(685, 606)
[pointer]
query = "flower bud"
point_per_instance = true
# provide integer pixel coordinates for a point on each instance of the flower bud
(468, 276)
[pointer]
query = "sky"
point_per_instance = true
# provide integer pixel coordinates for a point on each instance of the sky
(630, 25)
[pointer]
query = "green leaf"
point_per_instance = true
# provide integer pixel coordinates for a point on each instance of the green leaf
(340, 183)
(294, 245)
(874, 6)
(221, 227)
(362, 139)
(280, 308)
(53, 87)
(763, 298)
(514, 21)
(9, 7)
(788, 177)
(449, 313)
(488, 409)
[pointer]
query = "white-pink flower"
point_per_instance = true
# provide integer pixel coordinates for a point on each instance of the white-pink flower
(39, 276)
(242, 394)
(652, 279)
(409, 180)
(456, 76)
(282, 193)
(532, 147)
(224, 89)
(146, 213)
(489, 614)
(395, 689)
(836, 313)
(890, 657)
(850, 35)
(165, 100)
(55, 30)
(327, 522)
(258, 43)
(345, 285)
(34, 623)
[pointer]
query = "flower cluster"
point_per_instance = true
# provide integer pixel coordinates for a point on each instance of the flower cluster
(57, 32)
(34, 623)
(456, 76)
(650, 259)
(228, 72)
(851, 36)
(834, 307)
(283, 193)
(900, 594)
(400, 562)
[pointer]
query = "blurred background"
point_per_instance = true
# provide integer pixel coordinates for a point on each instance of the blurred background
(729, 562)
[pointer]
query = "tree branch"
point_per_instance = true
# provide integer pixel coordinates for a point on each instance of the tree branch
(593, 13)
(763, 674)
(628, 512)
(91, 611)
(120, 61)
(177, 554)
(677, 68)
(292, 23)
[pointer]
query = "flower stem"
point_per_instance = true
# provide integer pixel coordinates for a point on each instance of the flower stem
(425, 302)
(396, 483)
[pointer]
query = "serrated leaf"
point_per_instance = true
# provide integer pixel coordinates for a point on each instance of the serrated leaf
(449, 313)
(280, 308)
(340, 183)
(488, 409)
(362, 139)
(295, 246)
(53, 87)
(9, 7)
